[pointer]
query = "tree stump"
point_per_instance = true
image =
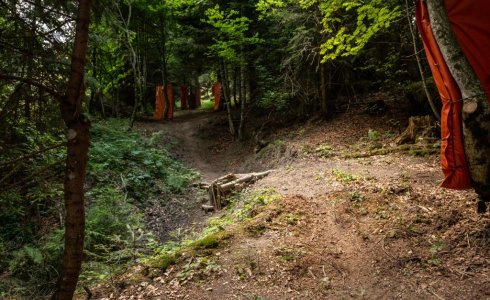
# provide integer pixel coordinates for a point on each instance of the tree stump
(418, 128)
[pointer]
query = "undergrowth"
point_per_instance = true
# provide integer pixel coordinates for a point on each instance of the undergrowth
(241, 208)
(125, 172)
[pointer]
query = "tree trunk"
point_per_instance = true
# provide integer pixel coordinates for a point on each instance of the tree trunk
(226, 94)
(236, 85)
(163, 54)
(323, 90)
(92, 101)
(243, 101)
(76, 161)
(476, 109)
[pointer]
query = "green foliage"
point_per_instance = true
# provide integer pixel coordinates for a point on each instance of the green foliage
(212, 236)
(373, 135)
(209, 241)
(250, 201)
(274, 99)
(199, 267)
(109, 218)
(231, 33)
(134, 163)
(325, 151)
(347, 25)
(344, 177)
(125, 170)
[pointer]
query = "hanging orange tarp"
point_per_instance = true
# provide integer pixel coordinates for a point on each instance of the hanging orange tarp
(160, 103)
(470, 22)
(184, 97)
(217, 95)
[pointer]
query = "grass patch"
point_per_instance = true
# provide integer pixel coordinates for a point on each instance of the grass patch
(239, 215)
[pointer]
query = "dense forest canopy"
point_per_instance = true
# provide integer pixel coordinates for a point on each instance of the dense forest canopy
(294, 60)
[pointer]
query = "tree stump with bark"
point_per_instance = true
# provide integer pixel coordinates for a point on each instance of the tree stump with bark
(419, 128)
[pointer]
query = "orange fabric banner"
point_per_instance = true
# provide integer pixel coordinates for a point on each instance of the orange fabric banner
(470, 21)
(453, 158)
(160, 103)
(217, 95)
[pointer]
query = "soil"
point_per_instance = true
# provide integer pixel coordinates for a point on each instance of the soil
(374, 227)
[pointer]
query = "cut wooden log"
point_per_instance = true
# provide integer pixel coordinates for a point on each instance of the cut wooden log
(223, 186)
(201, 185)
(207, 208)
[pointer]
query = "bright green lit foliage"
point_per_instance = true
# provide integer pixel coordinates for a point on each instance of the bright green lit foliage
(230, 33)
(347, 25)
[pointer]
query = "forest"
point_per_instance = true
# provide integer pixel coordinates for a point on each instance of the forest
(247, 149)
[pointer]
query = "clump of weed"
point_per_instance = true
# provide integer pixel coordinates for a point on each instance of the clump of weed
(436, 247)
(344, 177)
(373, 135)
(288, 254)
(325, 151)
(199, 267)
(356, 198)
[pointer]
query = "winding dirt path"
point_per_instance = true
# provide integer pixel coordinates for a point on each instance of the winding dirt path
(371, 228)
(199, 140)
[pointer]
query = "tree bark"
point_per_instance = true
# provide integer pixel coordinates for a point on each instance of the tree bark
(226, 94)
(323, 89)
(243, 101)
(76, 161)
(92, 101)
(476, 109)
(163, 54)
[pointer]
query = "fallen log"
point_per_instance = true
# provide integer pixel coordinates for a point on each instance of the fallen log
(207, 208)
(221, 187)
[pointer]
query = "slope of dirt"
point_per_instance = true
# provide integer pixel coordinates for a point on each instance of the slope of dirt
(200, 140)
(373, 227)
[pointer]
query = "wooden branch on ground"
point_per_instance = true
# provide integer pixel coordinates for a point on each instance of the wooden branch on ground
(219, 188)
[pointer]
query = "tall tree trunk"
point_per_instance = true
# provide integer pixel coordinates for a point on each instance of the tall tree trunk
(77, 155)
(243, 100)
(163, 55)
(135, 63)
(226, 94)
(93, 91)
(476, 109)
(323, 90)
(236, 86)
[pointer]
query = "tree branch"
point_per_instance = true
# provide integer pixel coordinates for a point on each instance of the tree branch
(28, 81)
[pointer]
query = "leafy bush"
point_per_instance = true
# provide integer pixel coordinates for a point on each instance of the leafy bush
(134, 161)
(125, 171)
(277, 100)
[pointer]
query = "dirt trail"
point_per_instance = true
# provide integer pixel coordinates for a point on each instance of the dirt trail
(377, 227)
(195, 140)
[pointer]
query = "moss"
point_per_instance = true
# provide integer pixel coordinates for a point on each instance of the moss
(163, 260)
(256, 229)
(210, 241)
(423, 152)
